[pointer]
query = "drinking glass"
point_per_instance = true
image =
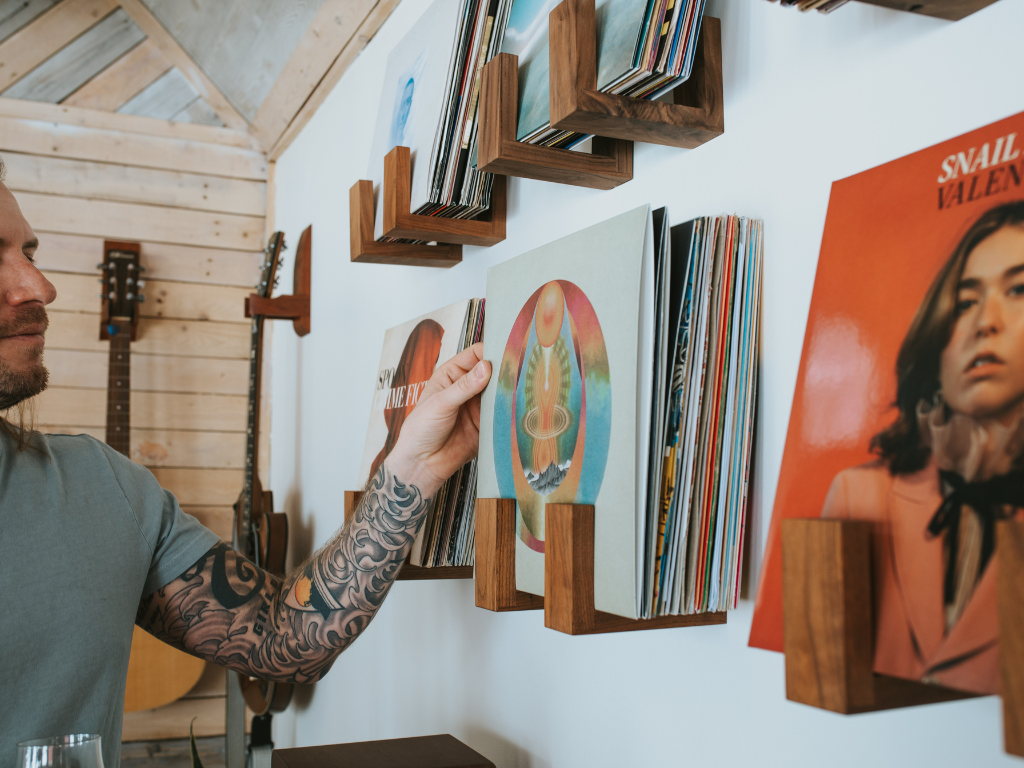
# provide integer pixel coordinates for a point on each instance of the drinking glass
(76, 750)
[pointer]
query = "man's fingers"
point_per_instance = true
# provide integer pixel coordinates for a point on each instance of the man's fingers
(465, 387)
(453, 370)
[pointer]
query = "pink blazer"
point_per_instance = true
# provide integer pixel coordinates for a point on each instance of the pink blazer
(910, 637)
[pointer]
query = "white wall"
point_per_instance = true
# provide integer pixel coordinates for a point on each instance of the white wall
(809, 98)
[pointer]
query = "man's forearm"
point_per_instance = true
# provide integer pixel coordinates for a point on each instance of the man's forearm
(225, 609)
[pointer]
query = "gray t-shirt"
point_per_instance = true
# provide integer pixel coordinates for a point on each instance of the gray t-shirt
(84, 535)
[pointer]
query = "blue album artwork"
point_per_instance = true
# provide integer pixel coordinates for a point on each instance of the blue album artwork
(405, 91)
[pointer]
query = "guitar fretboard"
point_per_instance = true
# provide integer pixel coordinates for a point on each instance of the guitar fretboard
(119, 379)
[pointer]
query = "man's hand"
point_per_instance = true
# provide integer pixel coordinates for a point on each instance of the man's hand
(443, 432)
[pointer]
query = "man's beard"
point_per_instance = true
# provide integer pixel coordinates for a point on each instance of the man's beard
(18, 386)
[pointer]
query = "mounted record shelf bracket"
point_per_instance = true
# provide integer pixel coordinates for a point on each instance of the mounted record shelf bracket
(827, 622)
(410, 572)
(610, 164)
(365, 249)
(495, 578)
(696, 116)
(399, 223)
(296, 306)
(569, 580)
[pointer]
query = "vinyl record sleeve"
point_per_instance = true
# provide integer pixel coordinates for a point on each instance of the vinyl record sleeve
(889, 233)
(568, 404)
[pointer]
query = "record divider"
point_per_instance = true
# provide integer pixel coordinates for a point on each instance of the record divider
(827, 608)
(568, 572)
(410, 572)
(696, 116)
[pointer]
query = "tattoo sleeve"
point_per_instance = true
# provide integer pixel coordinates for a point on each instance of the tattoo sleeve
(228, 611)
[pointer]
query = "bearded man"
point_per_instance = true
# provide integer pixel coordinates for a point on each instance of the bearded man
(91, 545)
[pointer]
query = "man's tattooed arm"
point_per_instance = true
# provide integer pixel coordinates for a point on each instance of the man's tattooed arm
(228, 611)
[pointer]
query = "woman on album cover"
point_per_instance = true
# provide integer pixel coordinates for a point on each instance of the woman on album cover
(950, 466)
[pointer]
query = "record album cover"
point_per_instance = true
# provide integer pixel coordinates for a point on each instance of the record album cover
(909, 403)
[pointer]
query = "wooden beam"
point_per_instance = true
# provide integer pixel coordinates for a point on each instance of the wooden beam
(127, 221)
(175, 448)
(114, 121)
(183, 263)
(130, 184)
(193, 338)
(348, 54)
(152, 373)
(177, 301)
(103, 145)
(180, 58)
(32, 45)
(72, 407)
(332, 28)
(121, 80)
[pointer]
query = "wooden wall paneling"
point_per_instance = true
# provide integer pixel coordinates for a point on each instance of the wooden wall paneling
(151, 373)
(183, 61)
(15, 14)
(196, 338)
(189, 301)
(146, 151)
(80, 60)
(348, 54)
(112, 121)
(182, 263)
(129, 184)
(174, 448)
(121, 80)
(130, 221)
(214, 487)
(220, 520)
(33, 44)
(331, 30)
(150, 410)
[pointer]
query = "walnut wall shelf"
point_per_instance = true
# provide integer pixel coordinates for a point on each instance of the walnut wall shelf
(411, 572)
(400, 223)
(296, 306)
(828, 625)
(695, 117)
(951, 10)
(568, 600)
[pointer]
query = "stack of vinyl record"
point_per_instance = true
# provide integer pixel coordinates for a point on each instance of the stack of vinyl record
(645, 48)
(410, 355)
(824, 6)
(702, 420)
(429, 104)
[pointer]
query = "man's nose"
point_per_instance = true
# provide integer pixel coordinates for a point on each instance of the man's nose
(26, 283)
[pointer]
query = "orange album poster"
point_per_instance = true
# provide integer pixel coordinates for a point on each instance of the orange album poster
(909, 402)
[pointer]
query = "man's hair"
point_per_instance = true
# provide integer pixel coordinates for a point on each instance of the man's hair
(3, 170)
(21, 428)
(919, 359)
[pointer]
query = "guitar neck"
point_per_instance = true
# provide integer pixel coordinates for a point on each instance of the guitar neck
(119, 381)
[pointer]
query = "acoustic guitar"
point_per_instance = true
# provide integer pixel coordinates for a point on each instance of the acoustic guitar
(157, 673)
(260, 533)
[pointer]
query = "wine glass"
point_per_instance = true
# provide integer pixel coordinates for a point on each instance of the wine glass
(76, 750)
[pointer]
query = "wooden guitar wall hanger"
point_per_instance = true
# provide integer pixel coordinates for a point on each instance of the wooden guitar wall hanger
(696, 116)
(296, 306)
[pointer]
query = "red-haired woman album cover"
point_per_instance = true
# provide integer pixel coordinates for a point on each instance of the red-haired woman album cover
(909, 403)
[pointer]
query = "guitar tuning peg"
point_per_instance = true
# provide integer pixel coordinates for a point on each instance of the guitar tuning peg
(129, 296)
(131, 267)
(141, 268)
(140, 283)
(140, 298)
(100, 296)
(101, 265)
(101, 279)
(111, 295)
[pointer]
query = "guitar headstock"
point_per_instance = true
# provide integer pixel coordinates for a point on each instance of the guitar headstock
(271, 261)
(121, 292)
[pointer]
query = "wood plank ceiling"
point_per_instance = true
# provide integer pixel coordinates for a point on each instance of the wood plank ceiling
(259, 66)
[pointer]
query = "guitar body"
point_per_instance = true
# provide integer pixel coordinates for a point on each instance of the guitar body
(157, 673)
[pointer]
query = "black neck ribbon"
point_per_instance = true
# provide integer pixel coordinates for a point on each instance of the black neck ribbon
(987, 499)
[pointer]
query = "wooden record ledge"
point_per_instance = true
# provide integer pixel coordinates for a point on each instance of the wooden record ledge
(408, 571)
(696, 116)
(449, 235)
(568, 600)
(296, 306)
(828, 625)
